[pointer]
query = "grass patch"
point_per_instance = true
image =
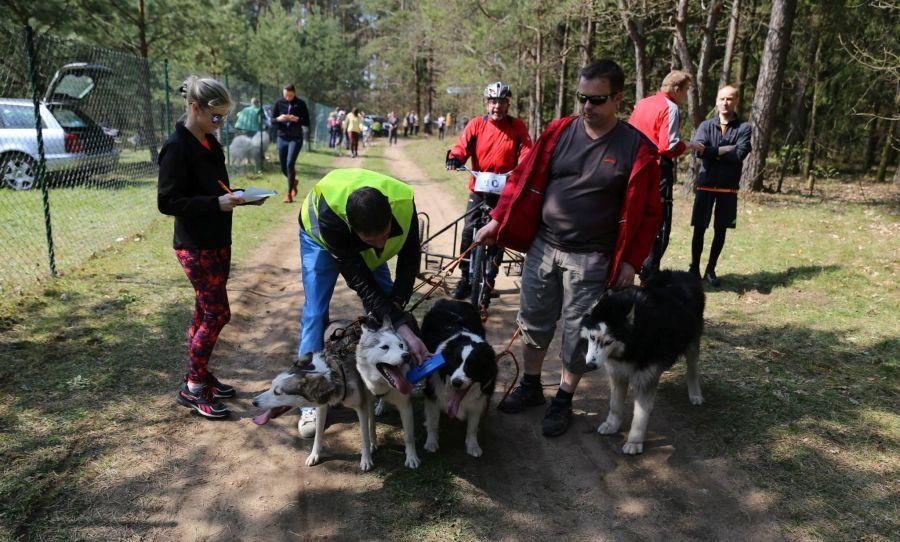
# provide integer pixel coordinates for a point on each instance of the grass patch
(76, 350)
(800, 357)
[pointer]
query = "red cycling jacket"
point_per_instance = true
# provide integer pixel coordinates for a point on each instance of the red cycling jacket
(493, 146)
(519, 208)
(657, 117)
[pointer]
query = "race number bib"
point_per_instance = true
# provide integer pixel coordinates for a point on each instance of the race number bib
(492, 183)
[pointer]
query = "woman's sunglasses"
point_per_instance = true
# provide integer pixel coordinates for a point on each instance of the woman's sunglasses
(599, 99)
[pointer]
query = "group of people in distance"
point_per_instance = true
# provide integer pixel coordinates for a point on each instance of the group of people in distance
(595, 212)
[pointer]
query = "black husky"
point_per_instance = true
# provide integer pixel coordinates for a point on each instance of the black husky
(638, 333)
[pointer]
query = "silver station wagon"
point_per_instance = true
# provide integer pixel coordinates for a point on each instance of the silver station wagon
(75, 146)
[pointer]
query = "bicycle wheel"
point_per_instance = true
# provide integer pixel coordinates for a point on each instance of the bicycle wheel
(476, 271)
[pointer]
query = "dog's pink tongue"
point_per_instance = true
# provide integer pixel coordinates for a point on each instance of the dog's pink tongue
(270, 414)
(400, 382)
(455, 400)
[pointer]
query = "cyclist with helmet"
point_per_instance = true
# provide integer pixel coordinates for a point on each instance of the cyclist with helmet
(495, 142)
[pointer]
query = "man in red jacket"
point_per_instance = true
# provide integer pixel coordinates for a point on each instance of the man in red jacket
(495, 142)
(584, 206)
(657, 118)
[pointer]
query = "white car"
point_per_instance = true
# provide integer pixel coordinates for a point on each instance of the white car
(73, 142)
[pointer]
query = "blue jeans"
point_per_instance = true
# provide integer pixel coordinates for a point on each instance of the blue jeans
(288, 149)
(320, 273)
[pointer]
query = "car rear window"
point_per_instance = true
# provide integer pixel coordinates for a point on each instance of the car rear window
(17, 116)
(68, 118)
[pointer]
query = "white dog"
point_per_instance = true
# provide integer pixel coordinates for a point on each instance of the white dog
(382, 359)
(245, 149)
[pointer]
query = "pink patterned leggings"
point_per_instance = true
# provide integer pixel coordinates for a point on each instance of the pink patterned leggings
(207, 269)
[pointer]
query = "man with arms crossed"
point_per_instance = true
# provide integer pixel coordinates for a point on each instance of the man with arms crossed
(584, 205)
(725, 140)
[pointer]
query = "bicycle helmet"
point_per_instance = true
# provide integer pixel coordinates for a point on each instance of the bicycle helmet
(497, 90)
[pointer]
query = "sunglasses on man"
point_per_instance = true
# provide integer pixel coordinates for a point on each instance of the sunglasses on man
(599, 99)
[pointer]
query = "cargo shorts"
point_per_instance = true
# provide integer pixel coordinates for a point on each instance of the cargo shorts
(558, 284)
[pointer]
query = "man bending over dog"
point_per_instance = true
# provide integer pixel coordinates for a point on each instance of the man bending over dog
(584, 204)
(353, 222)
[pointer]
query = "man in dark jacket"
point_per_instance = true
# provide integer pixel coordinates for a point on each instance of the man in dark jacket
(290, 116)
(726, 142)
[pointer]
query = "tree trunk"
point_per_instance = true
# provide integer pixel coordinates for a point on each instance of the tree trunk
(887, 149)
(744, 58)
(872, 141)
(687, 64)
(811, 132)
(635, 29)
(148, 134)
(586, 41)
(429, 97)
(563, 66)
(538, 92)
(706, 50)
(768, 88)
(733, 26)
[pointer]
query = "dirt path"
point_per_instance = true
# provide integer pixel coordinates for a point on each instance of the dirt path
(236, 481)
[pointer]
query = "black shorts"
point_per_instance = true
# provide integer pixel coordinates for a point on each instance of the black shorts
(724, 204)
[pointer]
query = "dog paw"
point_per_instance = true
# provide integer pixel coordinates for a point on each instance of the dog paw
(412, 461)
(608, 428)
(312, 459)
(633, 448)
(696, 398)
(473, 449)
(431, 445)
(366, 464)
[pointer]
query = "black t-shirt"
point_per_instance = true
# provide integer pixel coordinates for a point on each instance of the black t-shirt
(587, 185)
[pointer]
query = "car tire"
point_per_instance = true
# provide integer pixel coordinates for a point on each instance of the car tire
(18, 171)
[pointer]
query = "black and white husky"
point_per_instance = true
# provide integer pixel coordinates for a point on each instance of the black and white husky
(463, 386)
(638, 333)
(332, 379)
(382, 359)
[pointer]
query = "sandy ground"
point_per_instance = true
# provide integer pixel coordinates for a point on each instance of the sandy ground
(189, 479)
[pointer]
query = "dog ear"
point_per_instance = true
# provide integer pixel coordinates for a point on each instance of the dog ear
(386, 323)
(371, 323)
(630, 317)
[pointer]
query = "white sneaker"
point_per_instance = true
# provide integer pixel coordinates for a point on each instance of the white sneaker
(307, 423)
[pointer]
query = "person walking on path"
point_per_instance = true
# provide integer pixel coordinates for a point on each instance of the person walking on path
(657, 117)
(193, 187)
(585, 208)
(495, 142)
(352, 223)
(725, 142)
(354, 131)
(291, 118)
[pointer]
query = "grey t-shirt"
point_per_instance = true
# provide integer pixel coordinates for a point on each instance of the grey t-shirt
(587, 185)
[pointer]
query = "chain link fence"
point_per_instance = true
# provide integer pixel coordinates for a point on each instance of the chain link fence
(80, 131)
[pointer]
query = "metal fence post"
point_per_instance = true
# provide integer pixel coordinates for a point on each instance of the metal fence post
(166, 104)
(225, 132)
(262, 130)
(42, 161)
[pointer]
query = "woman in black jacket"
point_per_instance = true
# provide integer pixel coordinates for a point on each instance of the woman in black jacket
(290, 116)
(192, 187)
